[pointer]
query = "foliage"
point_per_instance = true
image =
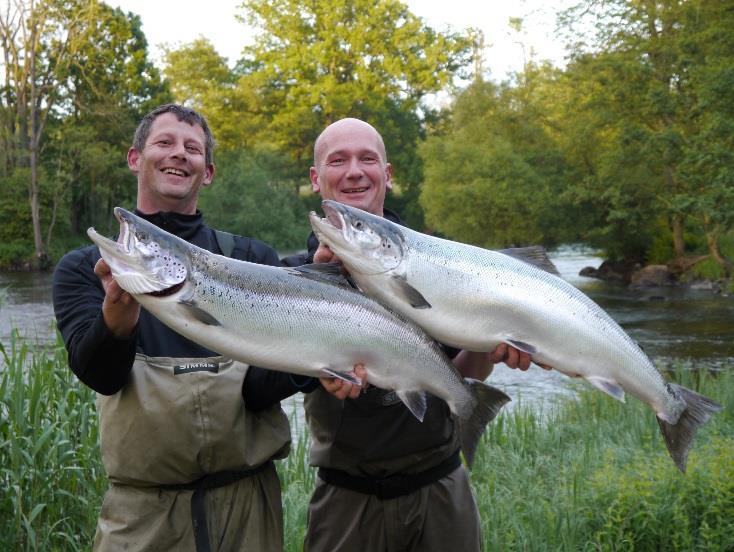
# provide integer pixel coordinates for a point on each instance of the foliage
(250, 197)
(495, 177)
(314, 63)
(76, 81)
(50, 469)
(649, 121)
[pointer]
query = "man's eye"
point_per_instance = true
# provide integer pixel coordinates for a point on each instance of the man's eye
(335, 162)
(193, 149)
(370, 160)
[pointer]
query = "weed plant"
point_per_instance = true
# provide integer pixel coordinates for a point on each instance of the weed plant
(590, 474)
(50, 469)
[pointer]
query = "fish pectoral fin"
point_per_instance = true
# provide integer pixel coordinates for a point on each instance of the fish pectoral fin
(415, 401)
(522, 346)
(610, 387)
(535, 255)
(346, 376)
(198, 313)
(138, 284)
(409, 293)
(322, 272)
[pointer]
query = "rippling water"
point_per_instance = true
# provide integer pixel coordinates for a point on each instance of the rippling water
(670, 324)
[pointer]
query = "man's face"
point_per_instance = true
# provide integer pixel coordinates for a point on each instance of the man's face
(172, 167)
(350, 166)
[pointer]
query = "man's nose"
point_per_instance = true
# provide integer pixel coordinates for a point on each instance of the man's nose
(179, 150)
(354, 168)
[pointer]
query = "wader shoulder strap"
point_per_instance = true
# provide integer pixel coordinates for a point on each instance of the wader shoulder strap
(225, 241)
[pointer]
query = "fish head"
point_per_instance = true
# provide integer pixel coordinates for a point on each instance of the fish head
(364, 242)
(144, 259)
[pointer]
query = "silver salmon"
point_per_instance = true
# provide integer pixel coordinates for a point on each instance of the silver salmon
(291, 320)
(476, 298)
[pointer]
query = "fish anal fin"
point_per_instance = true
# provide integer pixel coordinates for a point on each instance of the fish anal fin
(610, 387)
(522, 346)
(345, 376)
(409, 293)
(415, 401)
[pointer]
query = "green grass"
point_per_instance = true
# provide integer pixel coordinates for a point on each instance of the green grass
(591, 474)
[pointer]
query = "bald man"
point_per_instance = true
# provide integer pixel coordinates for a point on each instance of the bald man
(386, 481)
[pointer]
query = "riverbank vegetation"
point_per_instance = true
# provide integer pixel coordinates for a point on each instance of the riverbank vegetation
(589, 474)
(627, 148)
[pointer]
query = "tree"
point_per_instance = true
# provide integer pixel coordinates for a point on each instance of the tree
(651, 66)
(495, 177)
(315, 62)
(64, 59)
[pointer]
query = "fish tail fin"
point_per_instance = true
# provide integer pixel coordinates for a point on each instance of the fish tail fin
(488, 402)
(679, 436)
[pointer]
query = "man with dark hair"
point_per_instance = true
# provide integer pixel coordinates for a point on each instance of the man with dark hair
(386, 480)
(190, 466)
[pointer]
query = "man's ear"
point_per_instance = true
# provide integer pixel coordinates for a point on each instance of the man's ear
(314, 176)
(208, 175)
(388, 176)
(133, 160)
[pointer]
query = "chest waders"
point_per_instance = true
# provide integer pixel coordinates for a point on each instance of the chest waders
(180, 427)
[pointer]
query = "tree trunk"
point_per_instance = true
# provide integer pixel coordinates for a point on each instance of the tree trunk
(712, 240)
(677, 227)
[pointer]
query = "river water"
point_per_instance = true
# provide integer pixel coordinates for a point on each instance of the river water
(670, 324)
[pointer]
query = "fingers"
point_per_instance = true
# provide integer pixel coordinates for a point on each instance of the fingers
(499, 354)
(102, 269)
(324, 255)
(342, 389)
(512, 357)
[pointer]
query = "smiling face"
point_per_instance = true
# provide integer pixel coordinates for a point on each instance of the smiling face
(172, 167)
(350, 166)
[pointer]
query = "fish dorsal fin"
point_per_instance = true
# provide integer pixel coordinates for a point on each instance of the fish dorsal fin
(322, 272)
(610, 387)
(415, 401)
(409, 293)
(535, 255)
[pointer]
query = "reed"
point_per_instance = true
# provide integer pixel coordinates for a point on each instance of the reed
(50, 469)
(588, 474)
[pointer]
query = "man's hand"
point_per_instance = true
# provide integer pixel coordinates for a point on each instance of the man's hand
(119, 309)
(343, 389)
(324, 255)
(514, 358)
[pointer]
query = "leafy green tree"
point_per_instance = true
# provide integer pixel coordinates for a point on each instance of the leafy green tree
(69, 65)
(495, 177)
(650, 71)
(315, 62)
(250, 197)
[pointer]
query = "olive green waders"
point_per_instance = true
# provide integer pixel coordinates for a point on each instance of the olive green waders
(387, 482)
(190, 468)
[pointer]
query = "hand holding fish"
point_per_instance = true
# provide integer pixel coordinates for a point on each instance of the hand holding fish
(342, 389)
(119, 309)
(514, 358)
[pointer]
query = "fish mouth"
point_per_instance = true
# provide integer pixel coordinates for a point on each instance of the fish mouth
(333, 216)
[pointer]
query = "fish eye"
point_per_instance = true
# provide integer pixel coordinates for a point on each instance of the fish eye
(358, 225)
